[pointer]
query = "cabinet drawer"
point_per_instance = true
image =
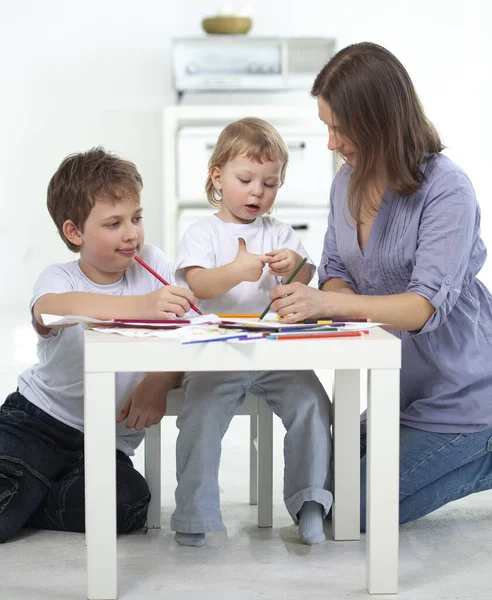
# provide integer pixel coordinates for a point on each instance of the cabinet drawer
(308, 177)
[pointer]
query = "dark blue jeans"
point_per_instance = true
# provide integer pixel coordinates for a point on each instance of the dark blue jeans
(42, 475)
(435, 468)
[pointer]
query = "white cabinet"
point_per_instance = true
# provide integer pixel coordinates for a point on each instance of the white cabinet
(308, 176)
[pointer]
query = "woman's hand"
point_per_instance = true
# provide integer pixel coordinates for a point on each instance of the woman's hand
(300, 302)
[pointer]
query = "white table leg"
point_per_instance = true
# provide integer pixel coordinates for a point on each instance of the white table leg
(383, 469)
(100, 485)
(153, 474)
(265, 464)
(346, 450)
(253, 459)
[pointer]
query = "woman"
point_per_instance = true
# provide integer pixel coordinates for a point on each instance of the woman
(403, 248)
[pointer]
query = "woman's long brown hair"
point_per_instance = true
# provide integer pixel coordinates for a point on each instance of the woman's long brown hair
(373, 98)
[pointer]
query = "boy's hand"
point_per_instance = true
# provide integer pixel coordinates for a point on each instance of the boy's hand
(146, 405)
(249, 266)
(167, 302)
(283, 262)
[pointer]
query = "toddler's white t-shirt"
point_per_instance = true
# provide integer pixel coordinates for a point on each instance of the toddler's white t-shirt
(211, 243)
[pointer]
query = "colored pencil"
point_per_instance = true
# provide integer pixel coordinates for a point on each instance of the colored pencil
(239, 336)
(309, 336)
(331, 320)
(308, 329)
(163, 281)
(318, 321)
(220, 339)
(239, 316)
(299, 267)
(154, 321)
(315, 322)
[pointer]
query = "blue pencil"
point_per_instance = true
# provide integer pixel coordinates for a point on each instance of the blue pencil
(221, 339)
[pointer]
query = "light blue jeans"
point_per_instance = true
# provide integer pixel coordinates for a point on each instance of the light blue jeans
(211, 400)
(436, 468)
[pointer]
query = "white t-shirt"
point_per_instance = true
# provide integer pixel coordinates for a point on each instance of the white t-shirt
(56, 383)
(212, 243)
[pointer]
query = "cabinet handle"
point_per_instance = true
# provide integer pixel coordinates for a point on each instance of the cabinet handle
(296, 146)
(300, 227)
(291, 146)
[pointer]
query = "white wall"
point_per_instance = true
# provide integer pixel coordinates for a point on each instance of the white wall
(80, 74)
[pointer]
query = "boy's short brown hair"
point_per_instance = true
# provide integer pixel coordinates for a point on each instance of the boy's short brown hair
(84, 178)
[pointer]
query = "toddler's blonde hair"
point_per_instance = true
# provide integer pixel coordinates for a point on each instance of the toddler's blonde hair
(253, 138)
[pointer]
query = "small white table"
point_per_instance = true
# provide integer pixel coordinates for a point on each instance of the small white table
(379, 353)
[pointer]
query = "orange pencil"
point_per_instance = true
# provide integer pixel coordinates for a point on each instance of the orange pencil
(163, 281)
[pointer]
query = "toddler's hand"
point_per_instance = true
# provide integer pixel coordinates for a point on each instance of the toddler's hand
(249, 266)
(283, 262)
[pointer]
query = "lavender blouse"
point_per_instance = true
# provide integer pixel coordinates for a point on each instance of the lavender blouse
(428, 243)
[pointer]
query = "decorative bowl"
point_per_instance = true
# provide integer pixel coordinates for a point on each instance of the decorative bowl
(227, 25)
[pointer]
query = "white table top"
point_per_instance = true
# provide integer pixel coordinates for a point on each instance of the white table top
(114, 352)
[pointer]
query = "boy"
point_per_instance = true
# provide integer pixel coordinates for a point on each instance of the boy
(94, 200)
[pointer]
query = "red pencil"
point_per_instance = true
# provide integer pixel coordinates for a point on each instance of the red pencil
(319, 335)
(153, 321)
(163, 281)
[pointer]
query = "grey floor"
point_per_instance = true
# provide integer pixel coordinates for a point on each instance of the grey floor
(445, 556)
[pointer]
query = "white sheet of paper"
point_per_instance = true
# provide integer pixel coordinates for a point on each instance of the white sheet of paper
(78, 319)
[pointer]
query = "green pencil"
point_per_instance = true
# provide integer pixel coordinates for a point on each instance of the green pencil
(299, 267)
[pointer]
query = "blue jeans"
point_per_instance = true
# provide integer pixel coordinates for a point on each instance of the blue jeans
(212, 399)
(42, 475)
(435, 468)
